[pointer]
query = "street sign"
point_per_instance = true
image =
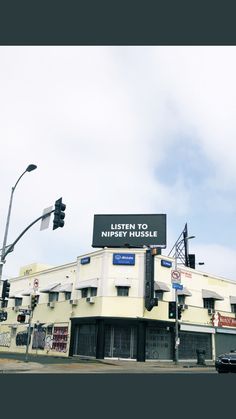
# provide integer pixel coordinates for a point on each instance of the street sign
(177, 286)
(46, 220)
(175, 276)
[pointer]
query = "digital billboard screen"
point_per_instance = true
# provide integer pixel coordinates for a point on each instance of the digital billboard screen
(129, 230)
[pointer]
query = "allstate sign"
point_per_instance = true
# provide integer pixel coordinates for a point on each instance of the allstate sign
(123, 259)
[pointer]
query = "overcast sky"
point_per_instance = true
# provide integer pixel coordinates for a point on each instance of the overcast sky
(119, 130)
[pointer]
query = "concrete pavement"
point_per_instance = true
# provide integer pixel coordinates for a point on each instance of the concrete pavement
(99, 366)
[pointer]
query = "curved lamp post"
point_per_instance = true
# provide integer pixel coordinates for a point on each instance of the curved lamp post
(28, 169)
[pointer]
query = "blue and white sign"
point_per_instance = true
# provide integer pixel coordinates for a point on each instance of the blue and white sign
(85, 260)
(123, 259)
(177, 286)
(166, 263)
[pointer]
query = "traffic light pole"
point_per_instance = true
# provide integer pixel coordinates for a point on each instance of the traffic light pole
(176, 329)
(176, 315)
(28, 337)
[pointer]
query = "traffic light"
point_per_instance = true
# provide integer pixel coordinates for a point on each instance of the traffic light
(5, 289)
(150, 303)
(172, 310)
(191, 259)
(34, 301)
(179, 312)
(3, 316)
(59, 214)
(21, 318)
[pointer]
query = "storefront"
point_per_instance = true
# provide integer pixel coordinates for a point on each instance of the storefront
(122, 338)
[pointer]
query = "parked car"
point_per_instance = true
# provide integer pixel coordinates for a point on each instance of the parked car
(226, 362)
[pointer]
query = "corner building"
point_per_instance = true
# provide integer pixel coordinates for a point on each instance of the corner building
(95, 307)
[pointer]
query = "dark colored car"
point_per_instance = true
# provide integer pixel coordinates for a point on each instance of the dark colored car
(226, 362)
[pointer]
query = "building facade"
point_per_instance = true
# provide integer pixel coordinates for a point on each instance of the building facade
(95, 307)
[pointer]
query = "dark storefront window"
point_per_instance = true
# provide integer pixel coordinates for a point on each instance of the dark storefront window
(120, 341)
(158, 343)
(190, 342)
(86, 340)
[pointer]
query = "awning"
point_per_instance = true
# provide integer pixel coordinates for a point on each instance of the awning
(122, 282)
(90, 283)
(16, 294)
(185, 292)
(50, 288)
(211, 294)
(63, 288)
(161, 286)
(30, 292)
(232, 299)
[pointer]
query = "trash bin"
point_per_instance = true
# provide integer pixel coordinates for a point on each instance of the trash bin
(201, 357)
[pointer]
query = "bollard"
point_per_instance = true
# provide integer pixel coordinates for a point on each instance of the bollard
(201, 356)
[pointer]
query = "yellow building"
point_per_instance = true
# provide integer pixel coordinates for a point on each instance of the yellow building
(96, 307)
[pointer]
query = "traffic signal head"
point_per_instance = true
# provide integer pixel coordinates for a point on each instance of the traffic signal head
(191, 259)
(5, 289)
(59, 214)
(150, 303)
(34, 301)
(179, 312)
(172, 310)
(21, 318)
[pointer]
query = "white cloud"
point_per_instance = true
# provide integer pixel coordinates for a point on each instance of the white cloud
(98, 121)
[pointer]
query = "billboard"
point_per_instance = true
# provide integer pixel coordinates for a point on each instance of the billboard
(129, 230)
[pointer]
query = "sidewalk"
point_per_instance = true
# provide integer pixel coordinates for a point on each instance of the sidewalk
(99, 366)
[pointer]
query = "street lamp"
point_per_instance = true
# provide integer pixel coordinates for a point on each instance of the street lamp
(177, 246)
(28, 169)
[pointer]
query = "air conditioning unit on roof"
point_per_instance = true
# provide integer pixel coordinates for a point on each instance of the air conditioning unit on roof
(90, 300)
(211, 311)
(74, 302)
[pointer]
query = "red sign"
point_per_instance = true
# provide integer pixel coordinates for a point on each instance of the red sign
(219, 320)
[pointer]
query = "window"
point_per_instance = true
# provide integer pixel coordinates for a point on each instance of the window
(233, 308)
(53, 296)
(181, 299)
(208, 303)
(159, 294)
(84, 292)
(67, 295)
(18, 302)
(122, 291)
(93, 292)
